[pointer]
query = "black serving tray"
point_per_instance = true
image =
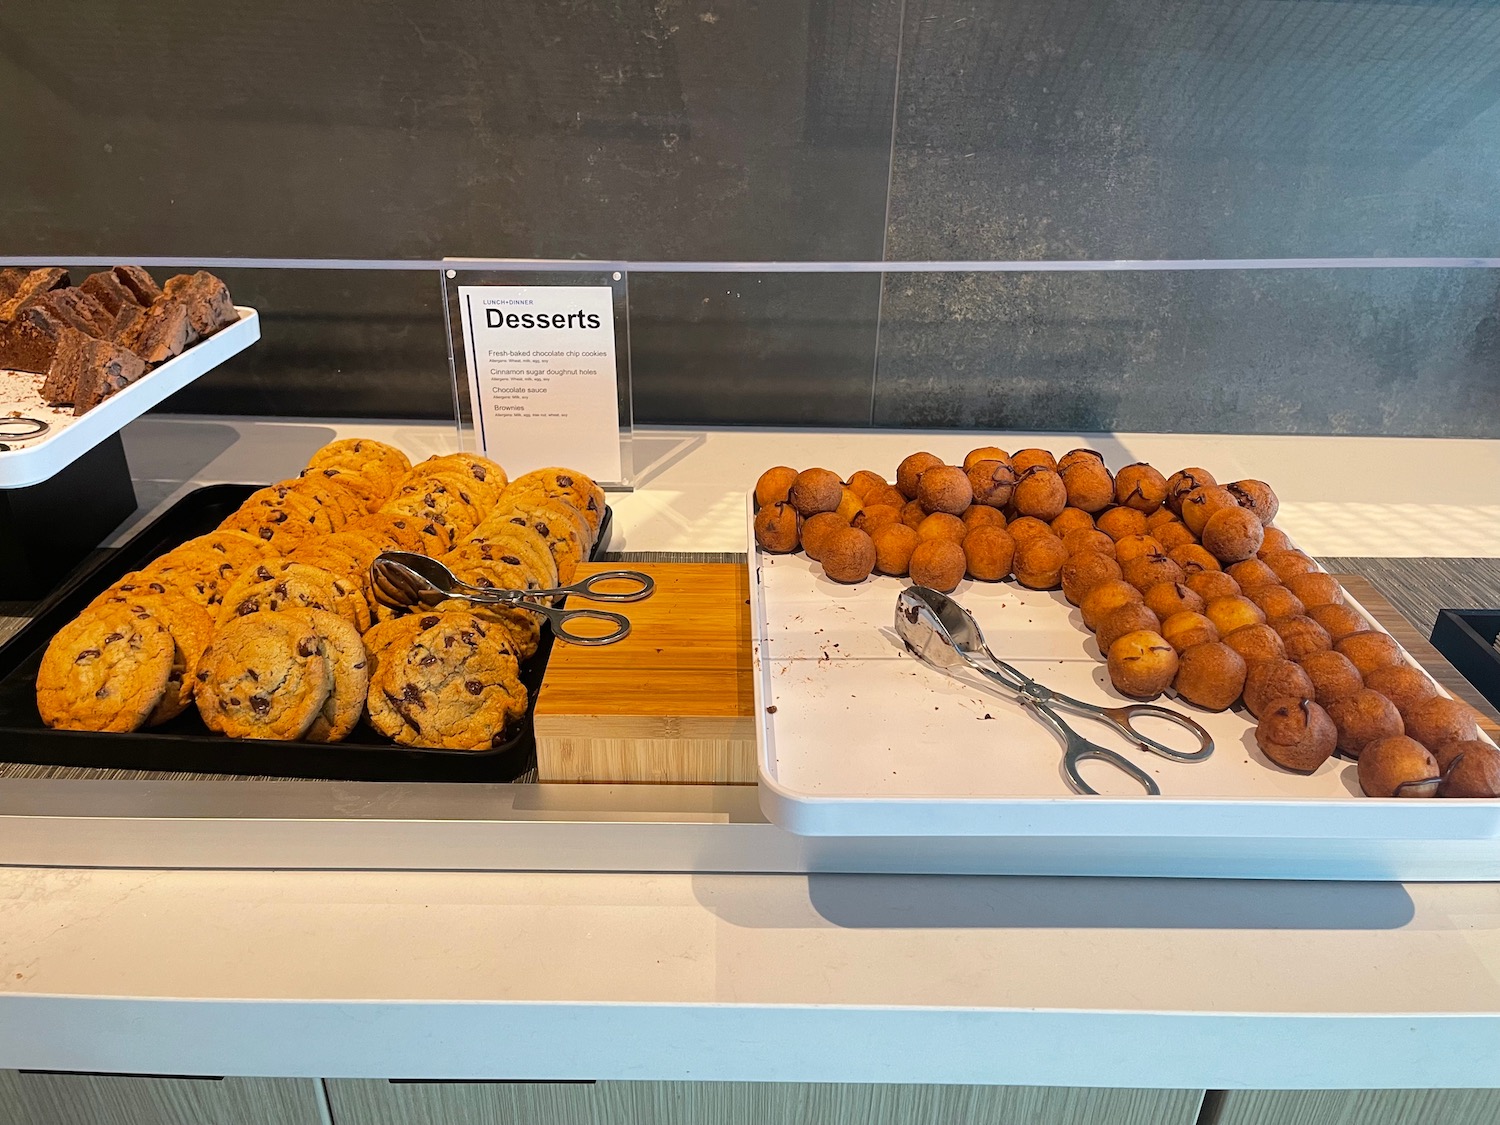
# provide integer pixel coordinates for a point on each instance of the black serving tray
(185, 744)
(1466, 637)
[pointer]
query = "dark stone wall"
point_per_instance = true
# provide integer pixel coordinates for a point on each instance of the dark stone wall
(808, 129)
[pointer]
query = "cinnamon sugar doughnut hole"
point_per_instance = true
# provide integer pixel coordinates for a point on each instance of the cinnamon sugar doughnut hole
(774, 484)
(1269, 680)
(849, 506)
(911, 469)
(776, 528)
(1182, 482)
(1146, 571)
(1287, 563)
(1333, 676)
(1439, 721)
(1130, 618)
(1211, 584)
(1275, 541)
(1093, 540)
(1141, 487)
(985, 453)
(978, 515)
(848, 556)
(1232, 535)
(890, 495)
(1079, 457)
(1023, 459)
(1255, 496)
(1039, 562)
(991, 482)
(1184, 630)
(1296, 734)
(1166, 598)
(940, 525)
(1403, 685)
(989, 553)
(1256, 643)
(1276, 601)
(1088, 485)
(1339, 620)
(1040, 493)
(938, 563)
(1106, 596)
(1134, 546)
(1117, 523)
(1193, 558)
(1072, 519)
(1203, 502)
(1251, 574)
(1363, 718)
(1370, 650)
(946, 489)
(1233, 612)
(1210, 676)
(1316, 588)
(1085, 570)
(1026, 528)
(864, 482)
(1142, 664)
(1173, 534)
(815, 491)
(816, 531)
(894, 544)
(873, 517)
(1300, 635)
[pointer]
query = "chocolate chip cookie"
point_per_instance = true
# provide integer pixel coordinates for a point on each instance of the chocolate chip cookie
(487, 479)
(410, 533)
(191, 628)
(266, 675)
(365, 455)
(289, 585)
(456, 688)
(559, 525)
(347, 662)
(106, 670)
(279, 517)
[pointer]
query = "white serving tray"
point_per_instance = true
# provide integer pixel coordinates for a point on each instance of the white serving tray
(858, 738)
(37, 459)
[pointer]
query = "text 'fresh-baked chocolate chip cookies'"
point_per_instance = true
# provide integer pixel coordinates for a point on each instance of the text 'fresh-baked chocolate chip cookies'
(269, 625)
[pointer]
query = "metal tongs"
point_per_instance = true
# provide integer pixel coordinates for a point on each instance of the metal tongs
(405, 580)
(942, 633)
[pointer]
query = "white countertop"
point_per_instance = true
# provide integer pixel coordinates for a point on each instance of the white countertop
(813, 978)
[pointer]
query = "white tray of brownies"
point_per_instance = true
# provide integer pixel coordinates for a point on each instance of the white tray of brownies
(78, 362)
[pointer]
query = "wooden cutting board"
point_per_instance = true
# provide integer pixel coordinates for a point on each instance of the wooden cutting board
(672, 702)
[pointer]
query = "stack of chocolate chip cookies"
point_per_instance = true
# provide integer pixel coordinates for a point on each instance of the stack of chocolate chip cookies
(268, 624)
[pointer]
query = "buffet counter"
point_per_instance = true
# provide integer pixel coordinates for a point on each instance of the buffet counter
(1173, 986)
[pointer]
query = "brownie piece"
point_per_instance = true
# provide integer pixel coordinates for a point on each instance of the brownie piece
(127, 323)
(162, 333)
(68, 363)
(106, 368)
(28, 342)
(206, 298)
(34, 286)
(10, 280)
(80, 310)
(139, 282)
(107, 288)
